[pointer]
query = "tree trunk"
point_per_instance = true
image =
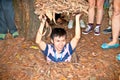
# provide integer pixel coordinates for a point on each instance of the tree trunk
(26, 21)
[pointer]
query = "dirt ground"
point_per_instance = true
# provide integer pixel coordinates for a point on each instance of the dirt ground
(22, 60)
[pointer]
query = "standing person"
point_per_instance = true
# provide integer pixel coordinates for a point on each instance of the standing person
(59, 50)
(109, 4)
(115, 27)
(7, 23)
(91, 16)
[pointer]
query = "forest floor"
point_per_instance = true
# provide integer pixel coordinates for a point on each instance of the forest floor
(22, 60)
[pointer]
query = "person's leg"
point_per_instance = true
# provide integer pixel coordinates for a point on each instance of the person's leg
(110, 14)
(9, 16)
(115, 22)
(109, 28)
(91, 11)
(3, 26)
(99, 11)
(110, 38)
(115, 27)
(99, 16)
(91, 15)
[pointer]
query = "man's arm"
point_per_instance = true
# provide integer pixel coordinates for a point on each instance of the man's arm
(77, 36)
(39, 40)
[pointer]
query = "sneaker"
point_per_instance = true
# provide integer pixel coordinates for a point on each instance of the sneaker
(97, 30)
(70, 24)
(110, 38)
(82, 24)
(107, 30)
(2, 36)
(15, 34)
(87, 30)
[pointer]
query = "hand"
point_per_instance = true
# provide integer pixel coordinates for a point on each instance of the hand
(43, 18)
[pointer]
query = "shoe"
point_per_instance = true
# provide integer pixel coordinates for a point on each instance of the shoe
(2, 36)
(107, 30)
(106, 46)
(110, 38)
(15, 34)
(118, 56)
(87, 30)
(82, 24)
(97, 31)
(70, 24)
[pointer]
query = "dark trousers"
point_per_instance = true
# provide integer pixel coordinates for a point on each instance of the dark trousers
(7, 22)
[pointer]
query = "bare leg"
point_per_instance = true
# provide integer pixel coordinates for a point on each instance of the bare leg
(115, 22)
(91, 11)
(91, 16)
(99, 11)
(110, 12)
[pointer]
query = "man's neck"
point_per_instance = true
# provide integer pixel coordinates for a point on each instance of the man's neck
(58, 52)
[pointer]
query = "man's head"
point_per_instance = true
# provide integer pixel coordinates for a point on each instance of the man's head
(58, 38)
(58, 32)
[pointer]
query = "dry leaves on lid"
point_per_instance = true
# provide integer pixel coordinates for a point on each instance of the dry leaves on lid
(50, 7)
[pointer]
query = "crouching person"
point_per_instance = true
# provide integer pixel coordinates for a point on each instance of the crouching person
(59, 50)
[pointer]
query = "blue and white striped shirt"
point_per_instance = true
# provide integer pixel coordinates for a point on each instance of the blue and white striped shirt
(64, 56)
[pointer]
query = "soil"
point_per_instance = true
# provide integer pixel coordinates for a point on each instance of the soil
(22, 60)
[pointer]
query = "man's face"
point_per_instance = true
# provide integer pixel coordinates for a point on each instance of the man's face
(59, 43)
